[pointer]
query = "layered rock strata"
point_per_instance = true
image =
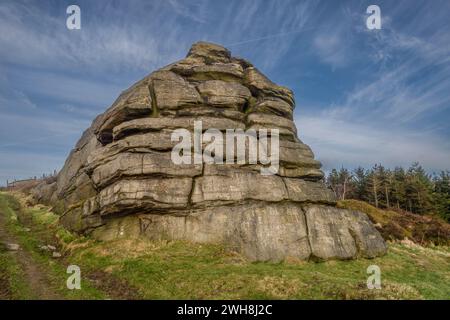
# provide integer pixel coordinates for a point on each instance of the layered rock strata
(120, 181)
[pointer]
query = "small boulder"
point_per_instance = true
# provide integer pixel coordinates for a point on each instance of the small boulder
(12, 246)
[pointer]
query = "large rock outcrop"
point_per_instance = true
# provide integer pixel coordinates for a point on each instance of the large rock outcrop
(120, 181)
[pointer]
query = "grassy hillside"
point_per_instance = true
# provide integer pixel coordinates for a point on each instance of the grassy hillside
(179, 270)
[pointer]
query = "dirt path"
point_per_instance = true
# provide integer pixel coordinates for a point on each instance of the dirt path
(40, 281)
(35, 276)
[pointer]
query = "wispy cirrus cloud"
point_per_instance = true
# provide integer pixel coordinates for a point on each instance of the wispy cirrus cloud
(193, 10)
(338, 142)
(399, 109)
(358, 91)
(113, 43)
(266, 30)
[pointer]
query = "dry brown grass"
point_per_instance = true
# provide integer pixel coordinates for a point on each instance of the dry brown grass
(398, 225)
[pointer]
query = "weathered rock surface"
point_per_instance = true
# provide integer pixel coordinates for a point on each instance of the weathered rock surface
(340, 234)
(120, 181)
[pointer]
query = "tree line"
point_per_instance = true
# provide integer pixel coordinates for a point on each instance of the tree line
(411, 189)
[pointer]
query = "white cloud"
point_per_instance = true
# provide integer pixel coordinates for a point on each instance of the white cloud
(266, 29)
(331, 48)
(112, 44)
(149, 35)
(94, 93)
(17, 98)
(26, 130)
(406, 71)
(192, 10)
(140, 36)
(339, 142)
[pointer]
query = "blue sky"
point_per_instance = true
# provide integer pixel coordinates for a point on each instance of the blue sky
(363, 96)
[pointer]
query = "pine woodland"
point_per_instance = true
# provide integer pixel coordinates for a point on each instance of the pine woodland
(413, 189)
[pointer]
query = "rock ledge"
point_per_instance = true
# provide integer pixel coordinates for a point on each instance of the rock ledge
(119, 180)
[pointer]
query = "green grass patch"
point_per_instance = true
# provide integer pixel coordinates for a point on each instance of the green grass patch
(177, 270)
(44, 230)
(12, 280)
(181, 270)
